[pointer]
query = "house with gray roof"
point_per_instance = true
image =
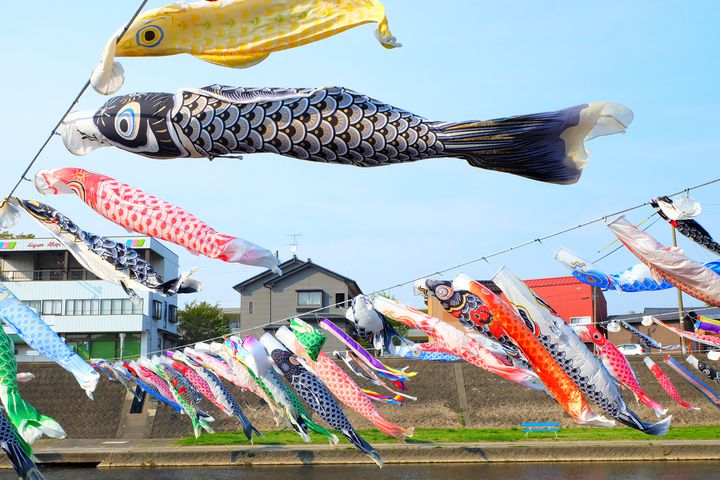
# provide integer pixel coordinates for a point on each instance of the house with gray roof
(304, 287)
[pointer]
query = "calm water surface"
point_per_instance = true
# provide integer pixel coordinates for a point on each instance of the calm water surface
(529, 471)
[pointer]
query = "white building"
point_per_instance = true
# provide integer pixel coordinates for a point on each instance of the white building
(96, 317)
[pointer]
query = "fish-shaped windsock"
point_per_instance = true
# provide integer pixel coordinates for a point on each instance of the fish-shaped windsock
(704, 368)
(210, 386)
(180, 395)
(337, 125)
(679, 213)
(703, 323)
(698, 384)
(618, 365)
(109, 260)
(637, 278)
(667, 384)
(39, 336)
(686, 274)
(456, 342)
(234, 33)
(304, 341)
(29, 424)
(503, 318)
(316, 395)
(137, 211)
(256, 358)
(646, 340)
(18, 451)
(571, 353)
(710, 340)
(150, 382)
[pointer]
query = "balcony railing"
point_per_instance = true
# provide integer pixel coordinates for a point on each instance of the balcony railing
(46, 275)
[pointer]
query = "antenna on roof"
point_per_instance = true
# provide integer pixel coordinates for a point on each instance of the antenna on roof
(293, 239)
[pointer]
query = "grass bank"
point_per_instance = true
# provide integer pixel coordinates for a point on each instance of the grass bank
(438, 435)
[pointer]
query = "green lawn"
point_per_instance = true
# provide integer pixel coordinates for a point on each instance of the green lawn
(438, 435)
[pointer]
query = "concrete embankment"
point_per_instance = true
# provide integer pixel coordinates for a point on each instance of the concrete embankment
(164, 453)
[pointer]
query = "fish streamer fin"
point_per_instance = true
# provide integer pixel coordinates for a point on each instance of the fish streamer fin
(233, 59)
(21, 461)
(30, 424)
(391, 429)
(548, 147)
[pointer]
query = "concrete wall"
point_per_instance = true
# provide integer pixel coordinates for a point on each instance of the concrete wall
(450, 395)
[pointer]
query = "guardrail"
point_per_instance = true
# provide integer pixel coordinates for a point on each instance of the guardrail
(46, 275)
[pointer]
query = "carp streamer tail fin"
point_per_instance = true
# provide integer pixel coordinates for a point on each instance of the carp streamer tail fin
(361, 444)
(657, 408)
(182, 284)
(28, 422)
(389, 428)
(21, 461)
(548, 147)
(248, 427)
(320, 430)
(660, 428)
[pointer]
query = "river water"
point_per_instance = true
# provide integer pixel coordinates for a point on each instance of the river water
(507, 471)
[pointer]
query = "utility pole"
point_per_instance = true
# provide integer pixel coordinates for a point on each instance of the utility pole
(681, 313)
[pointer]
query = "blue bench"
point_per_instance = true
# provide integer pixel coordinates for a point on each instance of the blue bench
(529, 427)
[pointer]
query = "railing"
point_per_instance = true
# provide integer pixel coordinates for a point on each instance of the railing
(46, 275)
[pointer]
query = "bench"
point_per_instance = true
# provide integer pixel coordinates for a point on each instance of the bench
(528, 427)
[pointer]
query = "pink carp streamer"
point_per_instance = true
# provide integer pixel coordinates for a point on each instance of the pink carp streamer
(618, 366)
(140, 212)
(342, 386)
(710, 340)
(670, 264)
(667, 384)
(456, 342)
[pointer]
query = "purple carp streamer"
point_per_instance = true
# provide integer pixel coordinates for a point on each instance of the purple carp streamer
(338, 125)
(670, 264)
(679, 214)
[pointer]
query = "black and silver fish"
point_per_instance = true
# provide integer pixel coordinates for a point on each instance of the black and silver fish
(316, 395)
(107, 259)
(686, 226)
(646, 340)
(338, 125)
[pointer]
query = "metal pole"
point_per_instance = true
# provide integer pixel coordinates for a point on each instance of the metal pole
(681, 314)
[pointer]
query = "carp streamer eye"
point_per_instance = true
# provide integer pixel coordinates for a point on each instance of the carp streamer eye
(126, 121)
(149, 36)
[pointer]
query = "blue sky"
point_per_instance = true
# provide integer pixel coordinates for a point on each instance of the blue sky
(459, 61)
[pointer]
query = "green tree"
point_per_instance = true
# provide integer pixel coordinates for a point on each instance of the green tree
(199, 321)
(4, 234)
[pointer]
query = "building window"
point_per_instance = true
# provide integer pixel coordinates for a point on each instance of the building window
(34, 304)
(157, 310)
(172, 314)
(250, 307)
(116, 306)
(339, 299)
(137, 308)
(82, 307)
(52, 307)
(107, 306)
(310, 298)
(580, 320)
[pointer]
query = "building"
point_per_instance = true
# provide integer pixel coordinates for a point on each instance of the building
(575, 302)
(661, 335)
(304, 286)
(94, 316)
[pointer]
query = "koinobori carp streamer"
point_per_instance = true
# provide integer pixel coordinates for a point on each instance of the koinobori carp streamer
(234, 33)
(570, 352)
(684, 273)
(337, 125)
(106, 258)
(39, 336)
(137, 211)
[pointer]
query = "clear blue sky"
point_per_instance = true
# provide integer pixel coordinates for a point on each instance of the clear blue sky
(460, 60)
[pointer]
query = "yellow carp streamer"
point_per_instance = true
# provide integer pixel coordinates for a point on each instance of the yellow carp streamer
(234, 33)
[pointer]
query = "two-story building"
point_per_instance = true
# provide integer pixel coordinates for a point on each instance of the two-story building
(303, 287)
(94, 316)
